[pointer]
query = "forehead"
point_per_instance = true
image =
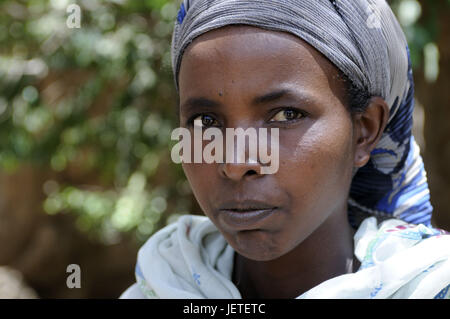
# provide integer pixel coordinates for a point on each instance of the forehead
(251, 58)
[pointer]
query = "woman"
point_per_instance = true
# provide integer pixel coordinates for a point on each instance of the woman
(347, 214)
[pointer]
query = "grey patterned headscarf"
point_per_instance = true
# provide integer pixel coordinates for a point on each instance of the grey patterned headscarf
(364, 40)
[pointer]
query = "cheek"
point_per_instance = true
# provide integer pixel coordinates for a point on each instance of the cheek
(201, 177)
(319, 162)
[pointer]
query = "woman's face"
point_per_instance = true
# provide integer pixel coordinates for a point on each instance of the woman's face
(222, 73)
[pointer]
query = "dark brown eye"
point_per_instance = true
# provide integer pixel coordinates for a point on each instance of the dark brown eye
(204, 121)
(286, 115)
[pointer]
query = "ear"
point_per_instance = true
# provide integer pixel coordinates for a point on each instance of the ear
(369, 126)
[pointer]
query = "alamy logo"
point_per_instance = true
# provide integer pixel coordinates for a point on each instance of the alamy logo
(214, 151)
(74, 279)
(74, 17)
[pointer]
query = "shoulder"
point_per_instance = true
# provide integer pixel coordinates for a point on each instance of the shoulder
(417, 256)
(377, 242)
(170, 255)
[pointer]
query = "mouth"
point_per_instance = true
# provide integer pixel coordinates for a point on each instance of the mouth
(247, 215)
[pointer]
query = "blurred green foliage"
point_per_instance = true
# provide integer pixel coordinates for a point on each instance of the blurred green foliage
(418, 33)
(95, 106)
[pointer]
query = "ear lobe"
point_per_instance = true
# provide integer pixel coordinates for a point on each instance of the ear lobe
(369, 127)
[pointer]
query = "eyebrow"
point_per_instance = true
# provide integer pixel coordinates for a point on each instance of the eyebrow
(270, 97)
(199, 102)
(207, 103)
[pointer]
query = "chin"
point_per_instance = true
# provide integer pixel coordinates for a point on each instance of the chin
(256, 245)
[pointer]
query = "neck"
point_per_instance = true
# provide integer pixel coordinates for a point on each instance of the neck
(326, 253)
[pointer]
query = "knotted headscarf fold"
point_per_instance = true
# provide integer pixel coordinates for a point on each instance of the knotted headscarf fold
(365, 41)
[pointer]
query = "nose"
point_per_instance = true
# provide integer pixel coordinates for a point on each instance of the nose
(236, 167)
(239, 171)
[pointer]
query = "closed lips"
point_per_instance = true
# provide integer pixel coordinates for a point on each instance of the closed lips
(245, 206)
(250, 209)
